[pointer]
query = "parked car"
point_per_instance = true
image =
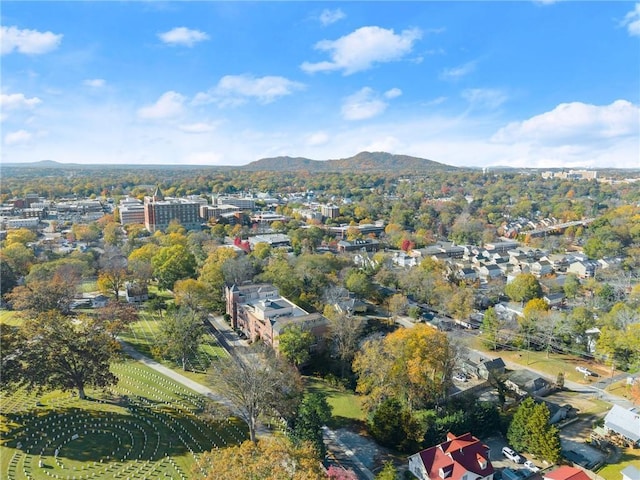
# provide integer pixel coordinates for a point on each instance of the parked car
(584, 371)
(531, 466)
(460, 377)
(511, 455)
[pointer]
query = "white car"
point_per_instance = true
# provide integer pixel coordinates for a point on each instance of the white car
(459, 377)
(511, 455)
(531, 466)
(584, 370)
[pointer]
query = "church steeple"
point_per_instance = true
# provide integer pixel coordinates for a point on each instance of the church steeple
(158, 195)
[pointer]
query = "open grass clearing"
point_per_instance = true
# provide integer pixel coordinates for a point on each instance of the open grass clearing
(10, 317)
(346, 406)
(147, 426)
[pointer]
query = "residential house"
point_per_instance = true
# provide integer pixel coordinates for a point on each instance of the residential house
(554, 299)
(558, 261)
(458, 458)
(565, 472)
(467, 274)
(99, 301)
(136, 292)
(624, 422)
(541, 268)
(630, 473)
(583, 269)
(490, 272)
(483, 367)
(525, 382)
(403, 259)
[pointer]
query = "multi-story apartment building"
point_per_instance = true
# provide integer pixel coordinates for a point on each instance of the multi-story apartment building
(160, 211)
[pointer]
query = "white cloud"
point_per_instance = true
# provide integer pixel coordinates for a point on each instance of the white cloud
(236, 89)
(95, 82)
(436, 101)
(363, 48)
(170, 104)
(393, 93)
(17, 101)
(632, 21)
(362, 105)
(200, 127)
(575, 122)
(20, 136)
(183, 36)
(484, 97)
(458, 72)
(317, 138)
(29, 42)
(327, 17)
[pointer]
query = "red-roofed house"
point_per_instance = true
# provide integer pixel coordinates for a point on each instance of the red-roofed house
(566, 472)
(459, 458)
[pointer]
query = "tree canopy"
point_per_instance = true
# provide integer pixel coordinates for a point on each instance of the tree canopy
(53, 351)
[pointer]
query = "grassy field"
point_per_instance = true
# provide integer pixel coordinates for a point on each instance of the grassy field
(612, 472)
(146, 427)
(345, 405)
(9, 317)
(143, 335)
(551, 364)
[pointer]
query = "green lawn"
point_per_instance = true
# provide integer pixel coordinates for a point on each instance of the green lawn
(345, 405)
(612, 472)
(551, 364)
(148, 426)
(10, 317)
(144, 334)
(89, 286)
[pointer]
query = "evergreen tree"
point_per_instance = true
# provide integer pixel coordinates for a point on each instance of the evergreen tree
(518, 432)
(313, 413)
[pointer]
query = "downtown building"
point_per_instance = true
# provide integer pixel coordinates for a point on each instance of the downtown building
(160, 211)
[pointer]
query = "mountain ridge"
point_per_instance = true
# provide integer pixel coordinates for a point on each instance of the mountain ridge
(362, 162)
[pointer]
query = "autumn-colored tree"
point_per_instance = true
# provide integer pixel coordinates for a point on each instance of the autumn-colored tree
(339, 473)
(190, 293)
(523, 287)
(19, 257)
(397, 304)
(139, 262)
(212, 275)
(44, 295)
(20, 236)
(116, 317)
(412, 364)
(113, 272)
(171, 264)
(273, 458)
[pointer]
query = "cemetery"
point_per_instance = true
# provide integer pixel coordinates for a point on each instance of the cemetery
(146, 427)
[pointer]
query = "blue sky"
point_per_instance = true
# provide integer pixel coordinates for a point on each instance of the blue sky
(522, 83)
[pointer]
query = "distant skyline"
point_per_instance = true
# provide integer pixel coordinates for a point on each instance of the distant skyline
(522, 83)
